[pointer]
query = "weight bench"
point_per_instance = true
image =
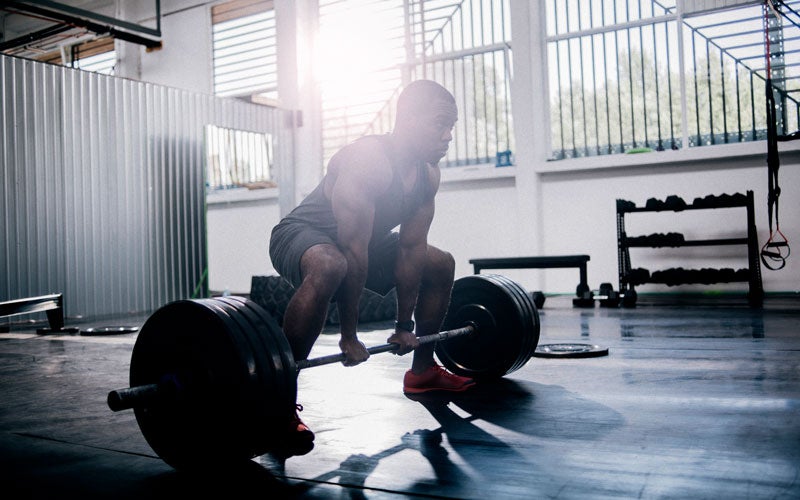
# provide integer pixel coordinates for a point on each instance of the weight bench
(545, 262)
(50, 304)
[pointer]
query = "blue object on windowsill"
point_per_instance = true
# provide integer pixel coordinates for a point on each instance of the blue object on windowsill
(504, 159)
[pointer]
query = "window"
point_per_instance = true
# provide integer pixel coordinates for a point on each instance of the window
(637, 76)
(238, 158)
(96, 55)
(244, 45)
(466, 47)
(359, 67)
(370, 47)
(99, 63)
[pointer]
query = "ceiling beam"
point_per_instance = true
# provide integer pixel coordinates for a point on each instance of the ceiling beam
(79, 18)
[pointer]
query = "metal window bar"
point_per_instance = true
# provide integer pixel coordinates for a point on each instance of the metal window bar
(630, 83)
(619, 88)
(643, 81)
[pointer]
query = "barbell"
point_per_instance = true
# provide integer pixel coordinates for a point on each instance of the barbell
(214, 380)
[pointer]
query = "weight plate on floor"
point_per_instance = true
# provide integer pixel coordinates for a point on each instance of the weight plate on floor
(63, 331)
(252, 437)
(283, 406)
(570, 351)
(279, 393)
(197, 345)
(508, 327)
(109, 330)
(263, 420)
(531, 317)
(278, 347)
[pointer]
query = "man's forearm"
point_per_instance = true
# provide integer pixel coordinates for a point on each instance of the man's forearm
(350, 293)
(408, 275)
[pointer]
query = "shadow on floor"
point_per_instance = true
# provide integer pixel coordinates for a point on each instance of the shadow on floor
(527, 408)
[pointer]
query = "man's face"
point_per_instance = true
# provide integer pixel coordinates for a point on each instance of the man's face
(434, 130)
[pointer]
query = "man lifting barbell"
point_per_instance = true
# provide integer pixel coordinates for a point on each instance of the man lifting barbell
(341, 239)
(214, 380)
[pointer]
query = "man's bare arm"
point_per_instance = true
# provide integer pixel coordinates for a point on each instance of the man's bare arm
(411, 259)
(358, 183)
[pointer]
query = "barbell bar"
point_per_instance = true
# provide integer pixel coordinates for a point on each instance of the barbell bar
(215, 379)
(389, 347)
(126, 399)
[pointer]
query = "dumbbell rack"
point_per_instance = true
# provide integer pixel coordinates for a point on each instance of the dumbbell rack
(629, 278)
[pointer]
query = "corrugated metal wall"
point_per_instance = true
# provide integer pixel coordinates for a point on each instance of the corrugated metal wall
(103, 195)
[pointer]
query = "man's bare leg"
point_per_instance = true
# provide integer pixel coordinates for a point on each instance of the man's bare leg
(432, 303)
(323, 267)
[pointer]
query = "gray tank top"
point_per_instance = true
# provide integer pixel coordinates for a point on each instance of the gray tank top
(393, 207)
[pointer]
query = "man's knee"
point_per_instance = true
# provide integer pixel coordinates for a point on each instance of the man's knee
(441, 265)
(324, 264)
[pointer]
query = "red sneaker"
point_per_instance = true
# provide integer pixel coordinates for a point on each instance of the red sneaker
(435, 378)
(299, 440)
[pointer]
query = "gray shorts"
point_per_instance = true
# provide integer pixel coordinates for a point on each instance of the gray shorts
(289, 242)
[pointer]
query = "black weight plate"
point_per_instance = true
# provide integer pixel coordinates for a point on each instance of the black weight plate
(276, 335)
(490, 353)
(278, 346)
(524, 305)
(570, 351)
(255, 422)
(531, 332)
(265, 329)
(538, 299)
(231, 437)
(261, 420)
(280, 391)
(109, 330)
(530, 318)
(493, 352)
(192, 343)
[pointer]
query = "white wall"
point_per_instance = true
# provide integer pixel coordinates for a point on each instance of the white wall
(476, 218)
(185, 59)
(238, 238)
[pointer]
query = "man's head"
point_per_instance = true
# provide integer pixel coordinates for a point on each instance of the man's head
(426, 113)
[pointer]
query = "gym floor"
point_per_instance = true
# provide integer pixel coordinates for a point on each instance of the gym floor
(696, 399)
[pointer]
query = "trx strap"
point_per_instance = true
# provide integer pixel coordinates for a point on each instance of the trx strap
(776, 250)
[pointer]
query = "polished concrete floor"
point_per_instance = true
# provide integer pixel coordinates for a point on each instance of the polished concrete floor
(698, 398)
